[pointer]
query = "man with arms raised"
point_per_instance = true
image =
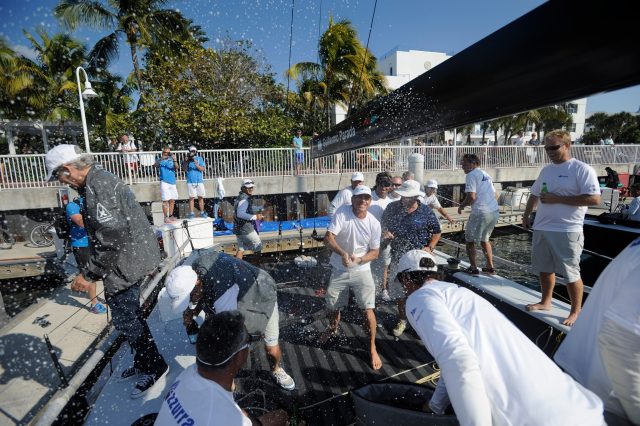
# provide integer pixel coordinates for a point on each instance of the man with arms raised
(354, 239)
(562, 193)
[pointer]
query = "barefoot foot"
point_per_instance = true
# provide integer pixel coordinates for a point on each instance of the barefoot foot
(376, 362)
(571, 319)
(537, 307)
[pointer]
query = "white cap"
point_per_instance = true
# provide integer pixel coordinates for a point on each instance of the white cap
(361, 190)
(248, 183)
(357, 176)
(59, 156)
(179, 284)
(410, 261)
(431, 183)
(193, 148)
(409, 188)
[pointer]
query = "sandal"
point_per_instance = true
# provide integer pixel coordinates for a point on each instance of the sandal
(490, 271)
(472, 271)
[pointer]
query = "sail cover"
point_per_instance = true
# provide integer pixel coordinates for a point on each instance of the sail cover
(561, 51)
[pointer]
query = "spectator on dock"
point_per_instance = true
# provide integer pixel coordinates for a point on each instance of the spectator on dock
(612, 180)
(353, 237)
(431, 199)
(194, 165)
(602, 350)
(343, 197)
(124, 252)
(562, 192)
(128, 148)
(490, 372)
(297, 143)
(379, 201)
(519, 141)
(167, 166)
(79, 241)
(217, 282)
(481, 196)
(244, 220)
(203, 393)
(407, 224)
(534, 141)
(632, 212)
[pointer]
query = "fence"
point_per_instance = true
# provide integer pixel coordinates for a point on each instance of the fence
(28, 171)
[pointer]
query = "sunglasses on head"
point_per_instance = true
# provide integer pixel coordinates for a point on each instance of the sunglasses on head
(553, 147)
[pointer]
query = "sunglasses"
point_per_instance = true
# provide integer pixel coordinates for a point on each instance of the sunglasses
(553, 147)
(386, 184)
(396, 184)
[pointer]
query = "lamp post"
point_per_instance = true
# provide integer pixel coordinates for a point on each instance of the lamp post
(89, 93)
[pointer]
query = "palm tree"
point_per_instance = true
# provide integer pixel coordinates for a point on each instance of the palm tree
(141, 22)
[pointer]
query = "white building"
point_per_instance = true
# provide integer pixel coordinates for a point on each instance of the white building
(400, 66)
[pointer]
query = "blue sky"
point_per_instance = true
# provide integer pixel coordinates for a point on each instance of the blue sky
(448, 27)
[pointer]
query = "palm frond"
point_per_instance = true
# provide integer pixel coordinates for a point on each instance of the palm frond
(73, 13)
(104, 51)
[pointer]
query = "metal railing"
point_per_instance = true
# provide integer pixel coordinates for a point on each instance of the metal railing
(28, 171)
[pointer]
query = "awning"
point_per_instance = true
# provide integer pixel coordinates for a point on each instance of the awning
(561, 51)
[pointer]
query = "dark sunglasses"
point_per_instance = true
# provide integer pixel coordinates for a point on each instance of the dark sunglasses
(386, 184)
(553, 147)
(396, 184)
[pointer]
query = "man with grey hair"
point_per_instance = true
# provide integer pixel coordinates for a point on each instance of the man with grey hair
(118, 232)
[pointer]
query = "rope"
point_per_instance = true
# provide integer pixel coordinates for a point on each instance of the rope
(293, 2)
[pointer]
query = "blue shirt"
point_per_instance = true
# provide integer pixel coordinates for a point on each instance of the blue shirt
(299, 143)
(167, 171)
(193, 174)
(78, 234)
(411, 230)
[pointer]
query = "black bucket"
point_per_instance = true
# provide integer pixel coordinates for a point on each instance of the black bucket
(397, 404)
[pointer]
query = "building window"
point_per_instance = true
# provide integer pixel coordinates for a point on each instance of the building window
(390, 70)
(572, 108)
(572, 127)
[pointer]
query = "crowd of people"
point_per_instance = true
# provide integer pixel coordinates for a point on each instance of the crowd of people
(492, 373)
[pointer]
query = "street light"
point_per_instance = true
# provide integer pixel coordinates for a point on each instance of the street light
(88, 93)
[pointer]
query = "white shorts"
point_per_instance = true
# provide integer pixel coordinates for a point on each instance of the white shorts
(361, 282)
(168, 191)
(480, 226)
(557, 252)
(249, 242)
(196, 190)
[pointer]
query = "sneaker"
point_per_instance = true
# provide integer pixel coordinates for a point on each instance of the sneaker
(284, 380)
(399, 328)
(129, 373)
(385, 295)
(191, 215)
(98, 308)
(204, 215)
(146, 382)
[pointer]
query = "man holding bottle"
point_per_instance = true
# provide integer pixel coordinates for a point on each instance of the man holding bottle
(562, 193)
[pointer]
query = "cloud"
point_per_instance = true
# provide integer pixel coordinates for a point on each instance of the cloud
(25, 51)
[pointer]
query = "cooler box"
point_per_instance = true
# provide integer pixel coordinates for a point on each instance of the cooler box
(624, 178)
(174, 235)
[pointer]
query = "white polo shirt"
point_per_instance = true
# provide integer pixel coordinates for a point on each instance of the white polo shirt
(480, 182)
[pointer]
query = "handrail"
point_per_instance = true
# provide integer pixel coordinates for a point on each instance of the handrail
(28, 171)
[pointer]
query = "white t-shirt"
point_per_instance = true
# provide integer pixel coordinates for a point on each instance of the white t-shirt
(570, 178)
(129, 158)
(432, 201)
(194, 400)
(615, 296)
(355, 236)
(480, 182)
(494, 374)
(343, 197)
(378, 205)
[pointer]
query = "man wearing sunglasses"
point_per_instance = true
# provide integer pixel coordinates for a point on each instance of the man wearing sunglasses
(203, 393)
(562, 193)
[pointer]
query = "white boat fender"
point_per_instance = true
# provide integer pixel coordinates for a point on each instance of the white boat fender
(305, 262)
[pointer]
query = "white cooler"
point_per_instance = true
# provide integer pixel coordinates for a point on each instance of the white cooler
(174, 235)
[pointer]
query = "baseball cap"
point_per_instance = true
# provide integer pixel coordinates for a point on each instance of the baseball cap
(193, 148)
(59, 156)
(179, 284)
(361, 190)
(248, 183)
(357, 176)
(432, 183)
(410, 261)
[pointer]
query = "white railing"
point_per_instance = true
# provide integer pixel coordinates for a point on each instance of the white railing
(28, 171)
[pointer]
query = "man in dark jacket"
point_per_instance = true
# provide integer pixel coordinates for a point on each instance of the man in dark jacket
(244, 220)
(124, 251)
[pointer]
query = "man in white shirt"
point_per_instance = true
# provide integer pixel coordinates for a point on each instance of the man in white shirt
(343, 197)
(431, 199)
(128, 147)
(354, 240)
(203, 393)
(481, 196)
(519, 139)
(602, 351)
(380, 201)
(565, 189)
(490, 372)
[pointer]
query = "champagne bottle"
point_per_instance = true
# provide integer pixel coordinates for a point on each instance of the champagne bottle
(544, 189)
